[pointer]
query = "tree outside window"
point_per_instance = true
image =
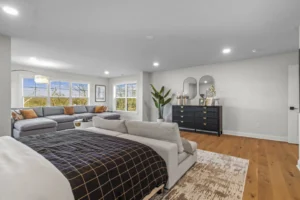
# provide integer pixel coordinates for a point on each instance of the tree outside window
(34, 94)
(125, 97)
(57, 93)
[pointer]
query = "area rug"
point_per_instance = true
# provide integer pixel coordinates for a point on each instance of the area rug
(214, 177)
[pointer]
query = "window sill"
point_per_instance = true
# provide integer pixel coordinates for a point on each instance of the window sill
(126, 112)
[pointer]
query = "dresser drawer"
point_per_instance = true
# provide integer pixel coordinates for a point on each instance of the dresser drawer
(206, 108)
(206, 114)
(186, 108)
(207, 126)
(183, 113)
(183, 118)
(185, 124)
(206, 120)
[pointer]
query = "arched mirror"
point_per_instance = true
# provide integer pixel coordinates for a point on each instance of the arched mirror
(190, 87)
(207, 86)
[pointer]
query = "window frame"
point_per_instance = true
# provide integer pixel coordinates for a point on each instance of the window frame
(49, 90)
(22, 90)
(126, 97)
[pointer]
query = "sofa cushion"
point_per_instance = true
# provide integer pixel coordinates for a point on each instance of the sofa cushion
(68, 110)
(100, 109)
(16, 115)
(108, 115)
(37, 110)
(113, 125)
(28, 114)
(54, 110)
(90, 109)
(187, 146)
(103, 131)
(84, 115)
(194, 145)
(33, 124)
(80, 109)
(155, 130)
(62, 118)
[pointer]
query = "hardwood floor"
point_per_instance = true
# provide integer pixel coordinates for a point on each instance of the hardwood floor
(272, 173)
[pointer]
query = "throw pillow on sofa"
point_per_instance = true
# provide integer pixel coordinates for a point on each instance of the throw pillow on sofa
(187, 146)
(16, 115)
(113, 125)
(155, 130)
(100, 109)
(69, 110)
(28, 114)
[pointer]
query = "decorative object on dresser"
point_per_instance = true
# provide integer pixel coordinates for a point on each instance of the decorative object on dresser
(207, 90)
(160, 100)
(179, 98)
(100, 93)
(198, 118)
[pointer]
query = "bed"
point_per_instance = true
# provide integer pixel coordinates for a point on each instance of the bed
(77, 164)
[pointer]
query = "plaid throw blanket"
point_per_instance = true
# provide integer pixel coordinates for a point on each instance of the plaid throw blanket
(100, 166)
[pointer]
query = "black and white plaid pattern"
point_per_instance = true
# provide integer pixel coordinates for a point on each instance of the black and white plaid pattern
(100, 166)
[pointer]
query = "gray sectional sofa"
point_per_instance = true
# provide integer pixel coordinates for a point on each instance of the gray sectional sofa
(53, 119)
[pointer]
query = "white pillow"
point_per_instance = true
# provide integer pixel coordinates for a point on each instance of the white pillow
(113, 125)
(156, 130)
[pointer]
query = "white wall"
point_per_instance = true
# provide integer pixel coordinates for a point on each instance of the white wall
(299, 114)
(16, 83)
(5, 57)
(146, 96)
(253, 93)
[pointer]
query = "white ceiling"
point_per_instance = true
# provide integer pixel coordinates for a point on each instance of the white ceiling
(91, 36)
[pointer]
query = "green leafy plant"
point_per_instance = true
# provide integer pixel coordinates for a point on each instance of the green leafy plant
(160, 100)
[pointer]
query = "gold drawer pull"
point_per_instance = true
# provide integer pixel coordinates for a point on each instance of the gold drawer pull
(181, 110)
(181, 121)
(181, 116)
(204, 117)
(204, 124)
(181, 106)
(204, 107)
(204, 112)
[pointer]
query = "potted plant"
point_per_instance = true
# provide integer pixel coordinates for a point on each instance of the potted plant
(160, 100)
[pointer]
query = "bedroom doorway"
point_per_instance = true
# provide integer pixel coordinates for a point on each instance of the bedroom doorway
(293, 104)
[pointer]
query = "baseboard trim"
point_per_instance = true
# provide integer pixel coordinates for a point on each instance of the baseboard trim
(255, 135)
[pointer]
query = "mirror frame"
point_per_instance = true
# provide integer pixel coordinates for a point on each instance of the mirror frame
(196, 87)
(214, 83)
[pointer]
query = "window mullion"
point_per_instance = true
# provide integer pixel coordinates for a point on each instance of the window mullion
(126, 87)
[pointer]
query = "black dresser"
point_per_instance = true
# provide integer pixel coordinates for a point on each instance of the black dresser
(198, 118)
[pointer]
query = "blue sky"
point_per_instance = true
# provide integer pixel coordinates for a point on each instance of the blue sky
(31, 88)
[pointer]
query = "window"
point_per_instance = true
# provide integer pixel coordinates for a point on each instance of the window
(60, 93)
(80, 94)
(125, 97)
(34, 94)
(56, 93)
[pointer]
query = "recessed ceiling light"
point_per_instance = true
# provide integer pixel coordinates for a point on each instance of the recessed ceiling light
(155, 64)
(106, 72)
(226, 51)
(205, 82)
(254, 50)
(10, 10)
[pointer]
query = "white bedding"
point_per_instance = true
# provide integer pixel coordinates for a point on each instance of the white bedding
(27, 175)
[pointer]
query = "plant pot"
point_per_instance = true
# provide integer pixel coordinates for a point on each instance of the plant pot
(160, 120)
